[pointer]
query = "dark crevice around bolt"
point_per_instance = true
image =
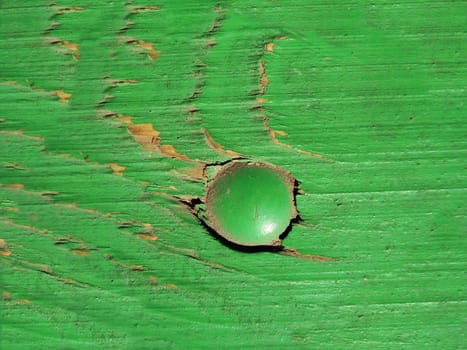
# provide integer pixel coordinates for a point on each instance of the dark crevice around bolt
(238, 247)
(194, 206)
(225, 162)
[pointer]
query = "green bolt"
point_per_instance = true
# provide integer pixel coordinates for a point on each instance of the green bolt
(251, 203)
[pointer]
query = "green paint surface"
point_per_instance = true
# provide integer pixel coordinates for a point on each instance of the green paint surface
(251, 204)
(108, 111)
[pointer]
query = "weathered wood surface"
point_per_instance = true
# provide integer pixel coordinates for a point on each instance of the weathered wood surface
(108, 111)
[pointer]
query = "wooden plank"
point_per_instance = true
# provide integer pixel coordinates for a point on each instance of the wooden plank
(109, 112)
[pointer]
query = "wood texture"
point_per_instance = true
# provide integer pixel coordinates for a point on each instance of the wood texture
(110, 110)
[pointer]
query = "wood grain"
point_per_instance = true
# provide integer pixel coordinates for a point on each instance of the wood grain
(109, 112)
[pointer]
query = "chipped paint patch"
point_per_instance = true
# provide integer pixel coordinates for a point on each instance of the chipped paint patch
(263, 79)
(81, 252)
(23, 301)
(152, 53)
(147, 237)
(4, 248)
(196, 173)
(216, 146)
(116, 169)
(169, 151)
(73, 47)
(63, 96)
(150, 139)
(64, 46)
(15, 186)
(269, 46)
(142, 46)
(6, 295)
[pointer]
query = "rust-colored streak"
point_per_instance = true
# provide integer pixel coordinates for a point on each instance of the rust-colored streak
(263, 79)
(73, 48)
(152, 54)
(63, 97)
(23, 301)
(217, 147)
(15, 186)
(4, 248)
(170, 285)
(147, 237)
(81, 252)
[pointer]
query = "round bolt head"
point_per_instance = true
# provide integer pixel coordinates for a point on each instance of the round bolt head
(251, 203)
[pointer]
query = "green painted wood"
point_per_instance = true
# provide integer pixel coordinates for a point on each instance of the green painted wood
(109, 112)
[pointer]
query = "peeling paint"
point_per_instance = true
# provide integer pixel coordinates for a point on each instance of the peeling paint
(147, 236)
(152, 54)
(63, 96)
(15, 186)
(139, 9)
(81, 252)
(263, 79)
(116, 169)
(217, 147)
(149, 138)
(263, 84)
(332, 86)
(197, 172)
(143, 46)
(4, 248)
